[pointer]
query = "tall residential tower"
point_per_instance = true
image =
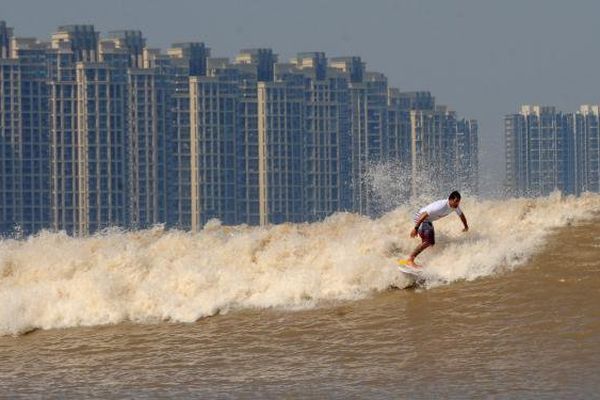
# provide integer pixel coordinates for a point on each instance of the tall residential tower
(538, 147)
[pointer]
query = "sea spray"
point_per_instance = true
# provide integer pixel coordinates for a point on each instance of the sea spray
(52, 280)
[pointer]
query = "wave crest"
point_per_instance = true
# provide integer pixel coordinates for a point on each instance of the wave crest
(52, 280)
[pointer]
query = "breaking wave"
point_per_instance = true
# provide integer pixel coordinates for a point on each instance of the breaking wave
(52, 280)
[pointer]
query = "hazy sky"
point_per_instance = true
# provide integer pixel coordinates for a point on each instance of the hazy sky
(482, 58)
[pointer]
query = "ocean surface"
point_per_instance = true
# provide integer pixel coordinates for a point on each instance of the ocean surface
(510, 309)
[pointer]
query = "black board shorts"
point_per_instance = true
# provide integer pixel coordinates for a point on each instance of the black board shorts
(427, 233)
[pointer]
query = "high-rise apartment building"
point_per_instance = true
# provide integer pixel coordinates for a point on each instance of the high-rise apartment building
(585, 168)
(438, 150)
(148, 121)
(88, 132)
(400, 105)
(281, 110)
(186, 60)
(430, 148)
(254, 65)
(444, 150)
(10, 135)
(24, 147)
(215, 123)
(538, 147)
(148, 127)
(327, 137)
(35, 145)
(368, 127)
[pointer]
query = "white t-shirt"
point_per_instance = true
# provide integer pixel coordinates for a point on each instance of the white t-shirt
(437, 210)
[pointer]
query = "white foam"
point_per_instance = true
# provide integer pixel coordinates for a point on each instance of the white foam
(52, 280)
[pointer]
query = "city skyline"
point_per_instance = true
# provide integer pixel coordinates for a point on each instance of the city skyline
(128, 136)
(484, 59)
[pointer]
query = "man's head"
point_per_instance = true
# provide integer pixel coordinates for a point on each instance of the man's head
(454, 199)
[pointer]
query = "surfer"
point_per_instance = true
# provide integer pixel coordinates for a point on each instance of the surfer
(424, 226)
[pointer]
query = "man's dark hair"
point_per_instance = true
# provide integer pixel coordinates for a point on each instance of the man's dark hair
(454, 196)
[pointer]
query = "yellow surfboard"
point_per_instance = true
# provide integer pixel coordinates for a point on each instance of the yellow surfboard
(407, 269)
(405, 262)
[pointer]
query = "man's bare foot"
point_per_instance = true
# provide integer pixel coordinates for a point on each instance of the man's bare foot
(412, 264)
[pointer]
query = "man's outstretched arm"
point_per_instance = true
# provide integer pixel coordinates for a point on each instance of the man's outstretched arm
(463, 218)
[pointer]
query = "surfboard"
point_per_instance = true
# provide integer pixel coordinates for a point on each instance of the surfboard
(404, 267)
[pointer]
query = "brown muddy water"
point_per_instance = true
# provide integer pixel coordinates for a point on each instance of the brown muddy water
(530, 332)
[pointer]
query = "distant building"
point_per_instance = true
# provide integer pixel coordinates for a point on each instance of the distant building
(368, 124)
(439, 149)
(11, 191)
(327, 137)
(254, 66)
(280, 144)
(187, 60)
(399, 147)
(96, 133)
(538, 146)
(35, 144)
(247, 160)
(432, 148)
(586, 149)
(149, 126)
(214, 123)
(24, 145)
(88, 99)
(147, 121)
